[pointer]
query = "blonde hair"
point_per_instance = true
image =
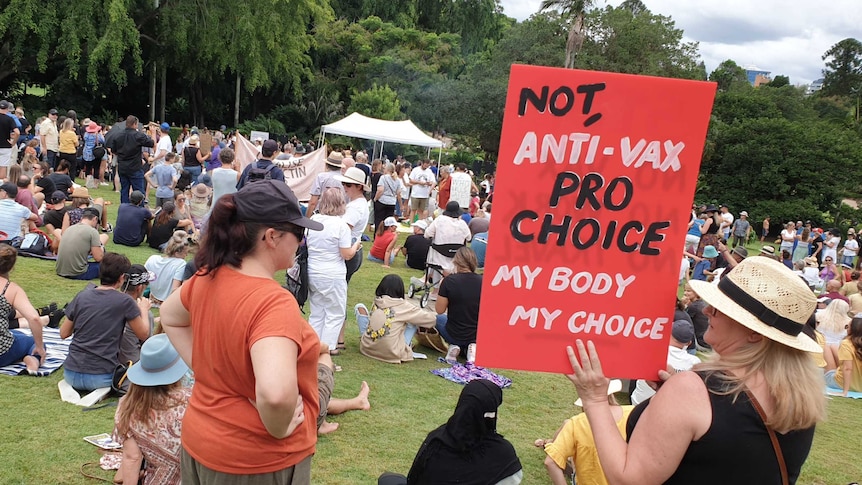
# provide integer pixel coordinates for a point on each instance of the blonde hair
(465, 258)
(176, 244)
(794, 382)
(834, 318)
(138, 404)
(332, 202)
(68, 123)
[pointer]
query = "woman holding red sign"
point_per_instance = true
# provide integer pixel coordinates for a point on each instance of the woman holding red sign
(754, 404)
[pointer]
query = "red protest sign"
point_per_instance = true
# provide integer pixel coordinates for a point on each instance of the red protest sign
(594, 183)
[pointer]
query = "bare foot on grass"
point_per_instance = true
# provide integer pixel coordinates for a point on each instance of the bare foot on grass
(326, 428)
(364, 403)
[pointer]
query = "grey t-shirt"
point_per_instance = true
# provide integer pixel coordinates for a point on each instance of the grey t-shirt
(99, 318)
(74, 249)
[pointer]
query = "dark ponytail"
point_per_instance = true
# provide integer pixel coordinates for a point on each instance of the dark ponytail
(227, 240)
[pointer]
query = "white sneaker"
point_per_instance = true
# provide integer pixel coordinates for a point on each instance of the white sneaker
(104, 184)
(417, 282)
(452, 355)
(471, 353)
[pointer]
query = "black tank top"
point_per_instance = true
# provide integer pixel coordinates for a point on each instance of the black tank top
(714, 225)
(736, 448)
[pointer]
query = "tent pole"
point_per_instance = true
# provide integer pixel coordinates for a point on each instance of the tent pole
(321, 138)
(381, 149)
(439, 155)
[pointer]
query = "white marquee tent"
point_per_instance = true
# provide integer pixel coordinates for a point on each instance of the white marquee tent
(403, 132)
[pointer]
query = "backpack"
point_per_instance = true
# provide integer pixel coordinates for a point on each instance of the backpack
(297, 276)
(256, 173)
(35, 243)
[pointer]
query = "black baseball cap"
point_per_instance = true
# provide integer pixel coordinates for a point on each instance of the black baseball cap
(10, 189)
(271, 202)
(57, 197)
(52, 111)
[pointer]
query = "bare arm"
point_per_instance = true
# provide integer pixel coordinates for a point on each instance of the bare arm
(141, 324)
(98, 253)
(66, 221)
(349, 253)
(132, 459)
(22, 304)
(66, 328)
(176, 321)
(848, 375)
(273, 360)
(388, 253)
(442, 304)
(554, 472)
(312, 204)
(655, 449)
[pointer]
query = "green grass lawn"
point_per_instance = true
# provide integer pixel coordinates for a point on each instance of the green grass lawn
(42, 436)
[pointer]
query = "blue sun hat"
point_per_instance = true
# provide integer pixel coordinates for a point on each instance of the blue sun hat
(160, 363)
(710, 252)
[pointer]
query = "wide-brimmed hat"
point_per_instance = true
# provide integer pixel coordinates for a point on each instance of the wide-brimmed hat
(193, 140)
(80, 192)
(93, 127)
(160, 363)
(811, 262)
(335, 159)
(767, 250)
(711, 208)
(201, 190)
(743, 213)
(300, 149)
(766, 297)
(271, 202)
(353, 175)
(740, 251)
(614, 386)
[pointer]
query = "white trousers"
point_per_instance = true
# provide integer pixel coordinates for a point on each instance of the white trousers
(328, 299)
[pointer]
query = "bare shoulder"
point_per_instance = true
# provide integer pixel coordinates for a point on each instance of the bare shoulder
(685, 398)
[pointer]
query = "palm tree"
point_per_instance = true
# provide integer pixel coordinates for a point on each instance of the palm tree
(574, 10)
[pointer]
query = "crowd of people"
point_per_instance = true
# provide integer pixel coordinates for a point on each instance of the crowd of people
(754, 340)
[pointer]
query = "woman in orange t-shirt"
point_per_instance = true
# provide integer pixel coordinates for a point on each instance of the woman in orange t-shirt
(254, 357)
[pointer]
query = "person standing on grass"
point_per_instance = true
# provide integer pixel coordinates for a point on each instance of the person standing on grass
(741, 229)
(764, 228)
(255, 373)
(127, 146)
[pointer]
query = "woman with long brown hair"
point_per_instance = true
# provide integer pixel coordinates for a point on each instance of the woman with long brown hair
(253, 355)
(149, 417)
(848, 375)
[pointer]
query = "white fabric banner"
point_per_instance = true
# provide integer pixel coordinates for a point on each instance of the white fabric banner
(299, 173)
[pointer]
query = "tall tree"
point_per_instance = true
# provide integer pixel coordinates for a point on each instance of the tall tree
(631, 39)
(573, 11)
(730, 77)
(843, 73)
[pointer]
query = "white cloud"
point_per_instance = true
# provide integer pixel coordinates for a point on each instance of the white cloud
(783, 37)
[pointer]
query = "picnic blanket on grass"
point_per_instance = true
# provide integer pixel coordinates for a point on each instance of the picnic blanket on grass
(464, 373)
(831, 391)
(56, 349)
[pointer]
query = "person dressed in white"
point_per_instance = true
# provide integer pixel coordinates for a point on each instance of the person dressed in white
(461, 186)
(682, 335)
(449, 228)
(356, 213)
(851, 248)
(788, 237)
(328, 249)
(830, 244)
(422, 181)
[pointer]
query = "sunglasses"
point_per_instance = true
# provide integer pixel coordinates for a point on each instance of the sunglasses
(347, 184)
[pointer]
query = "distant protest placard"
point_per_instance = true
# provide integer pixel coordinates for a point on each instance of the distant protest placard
(594, 184)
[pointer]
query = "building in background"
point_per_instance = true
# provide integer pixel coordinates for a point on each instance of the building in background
(757, 76)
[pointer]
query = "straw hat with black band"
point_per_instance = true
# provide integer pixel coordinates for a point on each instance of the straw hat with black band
(766, 297)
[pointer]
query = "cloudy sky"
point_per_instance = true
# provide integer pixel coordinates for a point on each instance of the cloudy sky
(780, 36)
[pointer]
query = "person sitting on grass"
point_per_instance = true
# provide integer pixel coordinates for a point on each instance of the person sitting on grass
(137, 280)
(330, 406)
(386, 334)
(165, 224)
(148, 422)
(458, 303)
(703, 269)
(78, 243)
(80, 201)
(416, 246)
(467, 449)
(848, 374)
(97, 317)
(383, 249)
(574, 446)
(15, 346)
(133, 221)
(169, 267)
